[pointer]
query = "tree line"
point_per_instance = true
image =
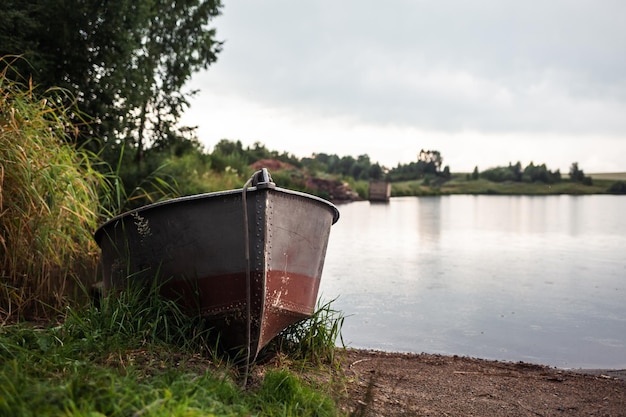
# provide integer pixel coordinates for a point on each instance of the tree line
(428, 165)
(530, 173)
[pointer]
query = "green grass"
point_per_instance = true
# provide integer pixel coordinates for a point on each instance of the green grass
(139, 355)
(313, 340)
(48, 202)
(135, 353)
(615, 176)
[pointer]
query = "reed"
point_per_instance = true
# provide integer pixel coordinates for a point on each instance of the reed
(48, 201)
(123, 187)
(314, 339)
(139, 315)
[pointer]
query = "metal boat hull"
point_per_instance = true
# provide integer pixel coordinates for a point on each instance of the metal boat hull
(195, 248)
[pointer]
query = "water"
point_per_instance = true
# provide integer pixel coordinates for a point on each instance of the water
(534, 279)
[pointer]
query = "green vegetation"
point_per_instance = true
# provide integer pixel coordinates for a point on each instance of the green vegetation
(459, 184)
(313, 340)
(52, 197)
(427, 165)
(125, 62)
(134, 353)
(138, 354)
(48, 201)
(109, 140)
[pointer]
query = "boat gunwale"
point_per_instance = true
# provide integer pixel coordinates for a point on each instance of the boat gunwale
(215, 194)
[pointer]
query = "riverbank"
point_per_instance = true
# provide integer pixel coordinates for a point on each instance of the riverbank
(72, 369)
(394, 384)
(460, 184)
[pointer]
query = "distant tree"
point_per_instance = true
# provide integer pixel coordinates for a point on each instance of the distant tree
(227, 147)
(259, 152)
(345, 165)
(499, 174)
(428, 163)
(618, 187)
(475, 174)
(534, 173)
(431, 161)
(376, 172)
(516, 170)
(577, 175)
(515, 173)
(360, 169)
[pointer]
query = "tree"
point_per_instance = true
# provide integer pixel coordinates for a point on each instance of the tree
(475, 174)
(125, 61)
(514, 173)
(376, 172)
(577, 175)
(431, 160)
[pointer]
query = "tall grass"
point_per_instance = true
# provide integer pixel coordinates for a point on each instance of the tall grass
(124, 187)
(48, 201)
(314, 339)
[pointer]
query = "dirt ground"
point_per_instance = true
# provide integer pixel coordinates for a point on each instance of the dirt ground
(396, 384)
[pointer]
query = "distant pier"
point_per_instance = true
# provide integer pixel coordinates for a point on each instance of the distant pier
(379, 191)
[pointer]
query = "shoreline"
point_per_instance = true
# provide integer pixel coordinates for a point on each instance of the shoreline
(615, 373)
(387, 383)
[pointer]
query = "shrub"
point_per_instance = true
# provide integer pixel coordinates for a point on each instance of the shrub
(618, 187)
(48, 201)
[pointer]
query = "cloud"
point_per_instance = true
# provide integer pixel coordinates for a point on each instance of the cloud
(446, 65)
(497, 68)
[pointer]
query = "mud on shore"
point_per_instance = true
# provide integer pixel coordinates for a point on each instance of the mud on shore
(396, 384)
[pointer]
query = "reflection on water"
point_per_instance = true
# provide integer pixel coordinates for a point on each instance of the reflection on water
(538, 279)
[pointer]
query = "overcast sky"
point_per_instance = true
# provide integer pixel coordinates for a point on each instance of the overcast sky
(485, 82)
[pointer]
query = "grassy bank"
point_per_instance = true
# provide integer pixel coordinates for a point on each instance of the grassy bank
(140, 356)
(614, 176)
(134, 354)
(459, 184)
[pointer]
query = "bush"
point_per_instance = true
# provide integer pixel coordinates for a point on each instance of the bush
(48, 202)
(618, 187)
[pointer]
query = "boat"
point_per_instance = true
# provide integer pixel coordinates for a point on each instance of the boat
(248, 260)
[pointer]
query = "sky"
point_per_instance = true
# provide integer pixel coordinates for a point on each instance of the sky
(484, 82)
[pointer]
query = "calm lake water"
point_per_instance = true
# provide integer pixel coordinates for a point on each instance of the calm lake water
(517, 278)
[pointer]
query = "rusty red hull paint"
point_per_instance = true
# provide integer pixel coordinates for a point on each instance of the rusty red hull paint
(289, 298)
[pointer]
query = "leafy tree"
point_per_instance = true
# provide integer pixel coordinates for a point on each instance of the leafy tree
(428, 163)
(376, 172)
(345, 165)
(577, 175)
(227, 147)
(516, 170)
(514, 173)
(126, 61)
(431, 161)
(475, 174)
(499, 174)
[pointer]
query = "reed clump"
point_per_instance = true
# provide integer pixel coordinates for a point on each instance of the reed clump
(48, 201)
(314, 339)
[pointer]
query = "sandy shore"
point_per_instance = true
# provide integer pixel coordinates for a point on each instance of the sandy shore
(397, 384)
